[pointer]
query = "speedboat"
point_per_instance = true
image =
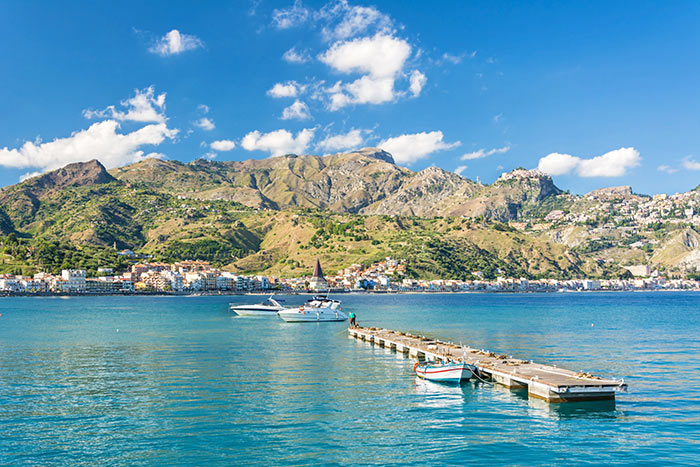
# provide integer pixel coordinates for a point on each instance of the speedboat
(268, 308)
(318, 308)
(444, 372)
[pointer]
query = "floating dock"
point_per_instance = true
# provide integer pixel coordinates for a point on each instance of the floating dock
(541, 381)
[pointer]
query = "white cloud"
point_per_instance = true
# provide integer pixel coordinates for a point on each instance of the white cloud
(278, 142)
(174, 43)
(407, 149)
(558, 164)
(100, 141)
(484, 153)
(611, 164)
(203, 108)
(380, 58)
(667, 169)
(294, 56)
(345, 21)
(690, 163)
(417, 80)
(453, 59)
(205, 124)
(223, 145)
(288, 89)
(28, 175)
(298, 111)
(353, 139)
(460, 169)
(145, 106)
(295, 15)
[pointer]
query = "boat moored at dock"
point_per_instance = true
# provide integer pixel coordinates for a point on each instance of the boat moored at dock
(546, 382)
(445, 372)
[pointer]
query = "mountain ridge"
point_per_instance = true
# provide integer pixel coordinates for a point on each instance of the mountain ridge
(275, 214)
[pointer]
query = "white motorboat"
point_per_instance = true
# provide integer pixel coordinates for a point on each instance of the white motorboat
(318, 308)
(269, 307)
(444, 372)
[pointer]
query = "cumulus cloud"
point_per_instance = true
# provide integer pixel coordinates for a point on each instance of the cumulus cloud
(690, 163)
(417, 80)
(145, 106)
(100, 141)
(344, 21)
(223, 145)
(205, 124)
(481, 153)
(295, 15)
(379, 58)
(278, 142)
(353, 139)
(174, 43)
(611, 164)
(288, 89)
(297, 111)
(409, 148)
(381, 55)
(294, 56)
(557, 163)
(460, 169)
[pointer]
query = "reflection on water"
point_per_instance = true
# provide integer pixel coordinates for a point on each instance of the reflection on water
(583, 410)
(184, 382)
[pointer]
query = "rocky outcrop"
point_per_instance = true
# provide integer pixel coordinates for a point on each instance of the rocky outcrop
(23, 199)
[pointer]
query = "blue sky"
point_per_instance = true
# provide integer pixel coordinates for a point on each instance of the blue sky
(595, 93)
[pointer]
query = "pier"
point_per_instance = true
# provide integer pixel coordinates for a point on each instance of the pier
(545, 382)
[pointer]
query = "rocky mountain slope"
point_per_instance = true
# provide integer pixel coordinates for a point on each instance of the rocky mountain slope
(278, 214)
(365, 181)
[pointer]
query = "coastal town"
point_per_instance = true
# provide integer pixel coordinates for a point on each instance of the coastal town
(389, 275)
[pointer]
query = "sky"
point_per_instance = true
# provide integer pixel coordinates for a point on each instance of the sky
(593, 93)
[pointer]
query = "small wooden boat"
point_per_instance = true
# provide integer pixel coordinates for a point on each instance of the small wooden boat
(445, 372)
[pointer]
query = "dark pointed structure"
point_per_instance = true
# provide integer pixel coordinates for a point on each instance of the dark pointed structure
(318, 272)
(318, 282)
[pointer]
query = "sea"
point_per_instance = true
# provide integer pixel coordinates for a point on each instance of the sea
(180, 380)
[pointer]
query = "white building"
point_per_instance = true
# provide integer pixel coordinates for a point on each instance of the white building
(11, 285)
(73, 280)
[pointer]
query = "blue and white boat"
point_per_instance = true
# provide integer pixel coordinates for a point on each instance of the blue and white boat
(269, 307)
(318, 308)
(445, 372)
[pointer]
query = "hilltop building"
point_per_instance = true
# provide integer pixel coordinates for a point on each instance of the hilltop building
(318, 282)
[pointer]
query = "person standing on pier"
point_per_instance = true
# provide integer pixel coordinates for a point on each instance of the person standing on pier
(351, 316)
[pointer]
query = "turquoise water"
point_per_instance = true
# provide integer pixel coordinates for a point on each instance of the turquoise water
(181, 381)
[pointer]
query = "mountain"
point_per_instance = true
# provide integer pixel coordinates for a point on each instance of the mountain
(366, 181)
(277, 215)
(341, 182)
(21, 201)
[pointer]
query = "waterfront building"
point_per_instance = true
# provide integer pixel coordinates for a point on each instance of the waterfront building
(225, 283)
(73, 280)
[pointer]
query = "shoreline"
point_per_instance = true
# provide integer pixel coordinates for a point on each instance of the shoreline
(333, 292)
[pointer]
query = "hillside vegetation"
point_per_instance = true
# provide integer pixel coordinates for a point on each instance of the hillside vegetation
(277, 215)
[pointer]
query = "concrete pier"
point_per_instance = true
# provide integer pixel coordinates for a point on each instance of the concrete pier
(545, 382)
